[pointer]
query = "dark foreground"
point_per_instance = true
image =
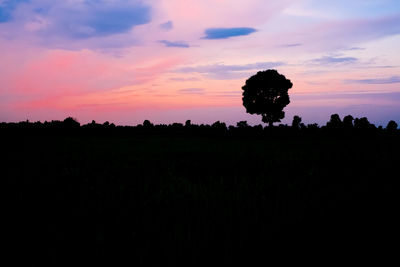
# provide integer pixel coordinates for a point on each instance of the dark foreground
(121, 200)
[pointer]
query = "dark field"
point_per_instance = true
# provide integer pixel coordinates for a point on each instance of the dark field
(194, 199)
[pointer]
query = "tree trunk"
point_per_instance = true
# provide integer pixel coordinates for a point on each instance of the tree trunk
(271, 124)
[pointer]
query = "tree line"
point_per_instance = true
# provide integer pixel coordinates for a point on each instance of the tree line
(68, 125)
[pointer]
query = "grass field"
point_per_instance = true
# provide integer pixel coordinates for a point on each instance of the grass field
(165, 199)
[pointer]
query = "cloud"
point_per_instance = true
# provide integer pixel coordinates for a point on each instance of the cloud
(98, 18)
(354, 48)
(174, 44)
(348, 32)
(7, 8)
(292, 45)
(224, 33)
(167, 25)
(374, 105)
(229, 68)
(229, 94)
(180, 79)
(390, 80)
(192, 91)
(337, 34)
(221, 71)
(79, 19)
(334, 60)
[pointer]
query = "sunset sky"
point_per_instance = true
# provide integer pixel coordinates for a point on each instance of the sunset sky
(125, 61)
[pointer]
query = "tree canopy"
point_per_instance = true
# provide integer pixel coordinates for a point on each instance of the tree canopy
(266, 94)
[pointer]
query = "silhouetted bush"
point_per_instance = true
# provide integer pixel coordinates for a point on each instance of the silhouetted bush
(363, 124)
(348, 122)
(296, 122)
(147, 124)
(71, 123)
(335, 122)
(391, 126)
(219, 126)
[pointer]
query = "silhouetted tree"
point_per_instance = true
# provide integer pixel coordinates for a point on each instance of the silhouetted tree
(219, 125)
(313, 126)
(147, 124)
(188, 123)
(335, 122)
(362, 123)
(71, 123)
(258, 127)
(176, 125)
(296, 122)
(348, 122)
(266, 94)
(391, 126)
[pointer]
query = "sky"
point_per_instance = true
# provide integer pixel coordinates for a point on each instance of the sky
(125, 61)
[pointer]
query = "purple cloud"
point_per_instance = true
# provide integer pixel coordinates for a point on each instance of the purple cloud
(230, 68)
(334, 60)
(345, 34)
(174, 44)
(389, 80)
(221, 71)
(169, 25)
(292, 45)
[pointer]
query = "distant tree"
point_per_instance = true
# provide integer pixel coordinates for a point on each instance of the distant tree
(335, 122)
(219, 125)
(188, 123)
(266, 94)
(391, 126)
(258, 127)
(147, 124)
(296, 122)
(71, 123)
(313, 126)
(242, 124)
(176, 125)
(348, 122)
(362, 123)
